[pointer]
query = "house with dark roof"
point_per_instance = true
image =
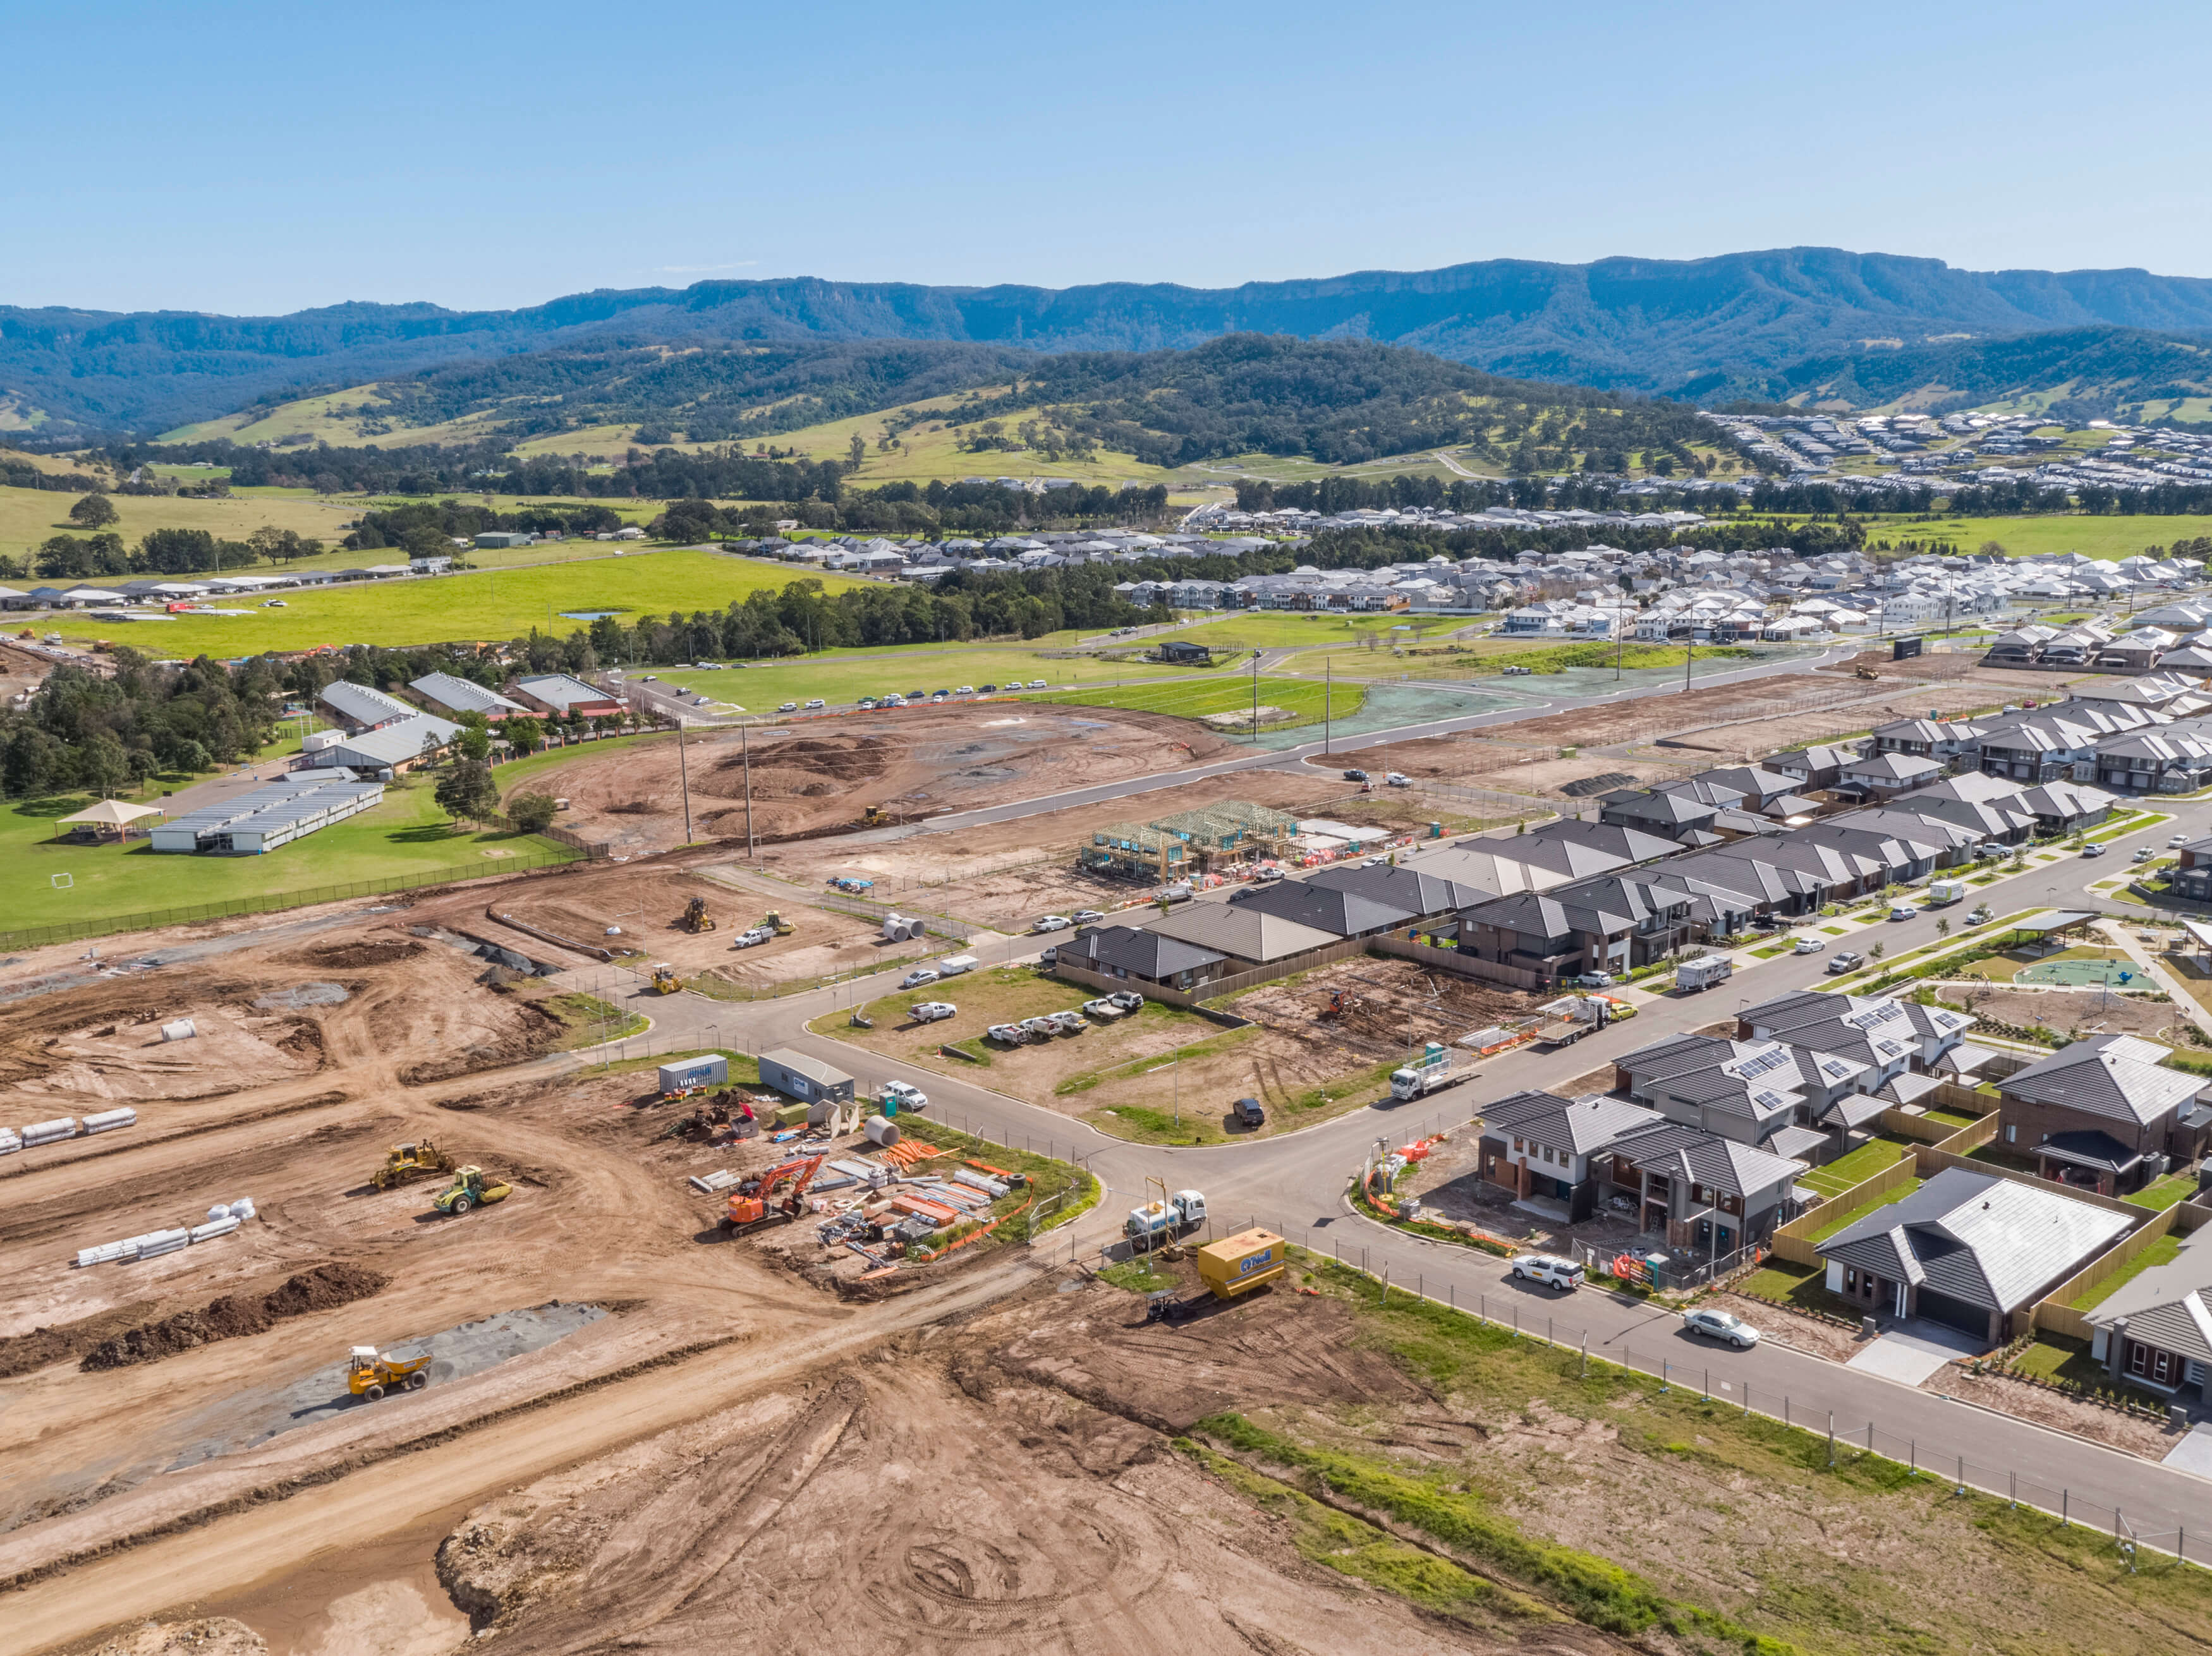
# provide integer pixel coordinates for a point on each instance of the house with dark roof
(1629, 843)
(1341, 913)
(1815, 768)
(1968, 1250)
(1427, 896)
(1890, 1037)
(1607, 924)
(1796, 1101)
(1880, 775)
(1142, 956)
(1669, 816)
(1250, 937)
(2105, 1114)
(1541, 1146)
(1705, 1194)
(2155, 1329)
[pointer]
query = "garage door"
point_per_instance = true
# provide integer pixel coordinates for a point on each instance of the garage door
(1956, 1313)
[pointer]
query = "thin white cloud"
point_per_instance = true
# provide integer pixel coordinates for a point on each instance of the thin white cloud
(701, 269)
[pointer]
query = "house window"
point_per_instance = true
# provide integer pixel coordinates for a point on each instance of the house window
(2159, 1368)
(2012, 1134)
(1517, 1147)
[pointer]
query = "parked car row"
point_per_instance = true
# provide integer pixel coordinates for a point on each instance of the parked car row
(915, 698)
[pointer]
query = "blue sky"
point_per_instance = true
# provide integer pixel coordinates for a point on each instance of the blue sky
(265, 158)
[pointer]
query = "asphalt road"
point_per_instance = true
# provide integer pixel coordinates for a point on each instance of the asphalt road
(1297, 1183)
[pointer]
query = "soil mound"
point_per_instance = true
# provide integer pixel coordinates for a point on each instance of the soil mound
(228, 1318)
(20, 1354)
(807, 766)
(217, 1635)
(386, 952)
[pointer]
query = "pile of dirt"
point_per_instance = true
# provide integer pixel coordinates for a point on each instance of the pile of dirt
(20, 1354)
(806, 767)
(215, 1635)
(323, 1289)
(366, 952)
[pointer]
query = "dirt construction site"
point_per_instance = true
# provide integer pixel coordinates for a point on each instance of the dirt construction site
(818, 776)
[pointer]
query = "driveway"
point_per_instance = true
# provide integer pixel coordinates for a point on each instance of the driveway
(1915, 1349)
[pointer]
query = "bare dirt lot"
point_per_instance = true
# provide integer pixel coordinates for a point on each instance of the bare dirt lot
(916, 762)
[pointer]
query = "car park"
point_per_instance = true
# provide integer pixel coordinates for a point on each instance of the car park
(933, 1011)
(1807, 946)
(1720, 1326)
(1248, 1114)
(918, 977)
(1549, 1268)
(1052, 923)
(1844, 961)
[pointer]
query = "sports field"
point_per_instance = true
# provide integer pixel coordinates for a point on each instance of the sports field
(844, 677)
(2046, 535)
(405, 837)
(484, 605)
(1300, 697)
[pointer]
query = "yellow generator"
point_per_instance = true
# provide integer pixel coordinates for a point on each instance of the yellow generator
(664, 981)
(1234, 1265)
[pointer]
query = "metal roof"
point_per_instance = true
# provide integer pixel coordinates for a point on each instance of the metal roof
(1583, 1126)
(1147, 953)
(461, 696)
(1990, 1241)
(362, 705)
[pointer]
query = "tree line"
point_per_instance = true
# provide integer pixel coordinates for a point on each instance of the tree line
(80, 731)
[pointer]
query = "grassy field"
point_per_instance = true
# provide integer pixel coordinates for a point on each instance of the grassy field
(846, 677)
(1835, 1222)
(406, 837)
(1277, 629)
(1302, 698)
(480, 606)
(29, 516)
(1833, 1179)
(2046, 535)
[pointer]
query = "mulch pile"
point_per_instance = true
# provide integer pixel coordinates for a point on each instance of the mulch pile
(323, 1289)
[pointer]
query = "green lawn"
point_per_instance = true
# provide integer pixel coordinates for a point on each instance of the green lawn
(2162, 1193)
(1276, 629)
(1833, 1179)
(1188, 699)
(407, 838)
(2056, 1357)
(844, 677)
(486, 605)
(1829, 1227)
(1803, 1286)
(2165, 1251)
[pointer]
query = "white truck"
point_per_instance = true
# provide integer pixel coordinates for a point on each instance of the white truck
(1704, 971)
(1572, 1016)
(1942, 893)
(1431, 1072)
(1162, 1222)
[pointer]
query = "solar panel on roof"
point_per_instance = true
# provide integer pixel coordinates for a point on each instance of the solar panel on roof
(1888, 1048)
(1767, 1100)
(1873, 1015)
(1761, 1063)
(1836, 1067)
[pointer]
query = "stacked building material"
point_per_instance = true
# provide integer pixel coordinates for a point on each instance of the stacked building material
(707, 1184)
(222, 1219)
(109, 1120)
(50, 1133)
(993, 1187)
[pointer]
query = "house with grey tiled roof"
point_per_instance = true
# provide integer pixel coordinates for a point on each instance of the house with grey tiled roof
(2105, 1114)
(1967, 1249)
(1132, 952)
(1705, 1194)
(2155, 1329)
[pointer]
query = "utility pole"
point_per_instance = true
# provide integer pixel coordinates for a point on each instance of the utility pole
(1328, 695)
(1256, 695)
(683, 770)
(745, 742)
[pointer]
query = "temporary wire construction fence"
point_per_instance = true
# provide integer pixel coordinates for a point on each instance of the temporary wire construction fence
(2148, 1537)
(30, 937)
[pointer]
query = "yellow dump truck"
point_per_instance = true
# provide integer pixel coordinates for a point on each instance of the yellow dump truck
(1234, 1265)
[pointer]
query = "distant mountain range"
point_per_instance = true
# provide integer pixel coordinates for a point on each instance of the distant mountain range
(1700, 328)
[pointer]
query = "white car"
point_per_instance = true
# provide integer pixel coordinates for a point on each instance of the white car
(2177, 839)
(816, 704)
(2143, 853)
(1010, 1035)
(918, 977)
(1068, 1023)
(965, 690)
(1052, 923)
(1720, 1325)
(1038, 684)
(1397, 779)
(1807, 946)
(279, 604)
(906, 1097)
(1088, 916)
(1550, 1269)
(932, 1011)
(788, 707)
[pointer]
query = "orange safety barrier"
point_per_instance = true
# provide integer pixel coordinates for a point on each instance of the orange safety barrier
(983, 1230)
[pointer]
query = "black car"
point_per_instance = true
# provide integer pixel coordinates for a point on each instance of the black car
(986, 689)
(1355, 776)
(1249, 1113)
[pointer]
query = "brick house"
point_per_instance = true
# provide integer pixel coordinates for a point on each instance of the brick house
(2105, 1114)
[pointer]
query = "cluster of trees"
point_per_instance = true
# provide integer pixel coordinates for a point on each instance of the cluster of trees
(164, 552)
(101, 735)
(427, 529)
(21, 474)
(930, 510)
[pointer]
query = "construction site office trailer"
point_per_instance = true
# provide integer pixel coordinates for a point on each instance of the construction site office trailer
(806, 1079)
(711, 1070)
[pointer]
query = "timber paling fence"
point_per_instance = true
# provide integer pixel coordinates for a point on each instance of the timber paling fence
(272, 903)
(2149, 1538)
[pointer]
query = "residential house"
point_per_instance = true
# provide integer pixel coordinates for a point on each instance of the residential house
(1425, 895)
(1795, 1100)
(2155, 1329)
(1610, 924)
(2105, 1114)
(1882, 775)
(1890, 1037)
(1340, 912)
(1968, 1250)
(1551, 1148)
(1928, 738)
(1142, 956)
(1814, 769)
(1707, 1195)
(1250, 937)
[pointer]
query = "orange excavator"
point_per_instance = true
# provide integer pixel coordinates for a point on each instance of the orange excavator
(753, 1204)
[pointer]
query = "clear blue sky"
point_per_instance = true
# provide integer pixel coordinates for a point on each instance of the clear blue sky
(264, 158)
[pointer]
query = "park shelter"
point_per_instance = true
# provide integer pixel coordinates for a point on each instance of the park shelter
(93, 822)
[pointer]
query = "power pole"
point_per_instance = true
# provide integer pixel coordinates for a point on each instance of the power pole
(683, 770)
(744, 737)
(1256, 695)
(1328, 695)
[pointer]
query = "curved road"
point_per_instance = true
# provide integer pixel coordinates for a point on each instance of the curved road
(1297, 1183)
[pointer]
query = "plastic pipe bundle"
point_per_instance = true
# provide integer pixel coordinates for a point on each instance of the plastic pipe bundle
(48, 1132)
(708, 1183)
(155, 1243)
(182, 1029)
(10, 1141)
(109, 1120)
(214, 1227)
(982, 1181)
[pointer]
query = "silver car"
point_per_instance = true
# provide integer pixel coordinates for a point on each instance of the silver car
(1720, 1325)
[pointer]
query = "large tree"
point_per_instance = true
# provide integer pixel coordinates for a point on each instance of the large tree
(93, 511)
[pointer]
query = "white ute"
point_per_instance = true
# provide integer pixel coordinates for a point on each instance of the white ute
(932, 1011)
(905, 1097)
(1549, 1268)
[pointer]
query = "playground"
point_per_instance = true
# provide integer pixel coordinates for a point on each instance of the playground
(2080, 973)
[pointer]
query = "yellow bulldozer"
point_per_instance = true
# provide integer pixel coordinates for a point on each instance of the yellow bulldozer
(696, 916)
(371, 1373)
(408, 1161)
(664, 981)
(1864, 672)
(774, 921)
